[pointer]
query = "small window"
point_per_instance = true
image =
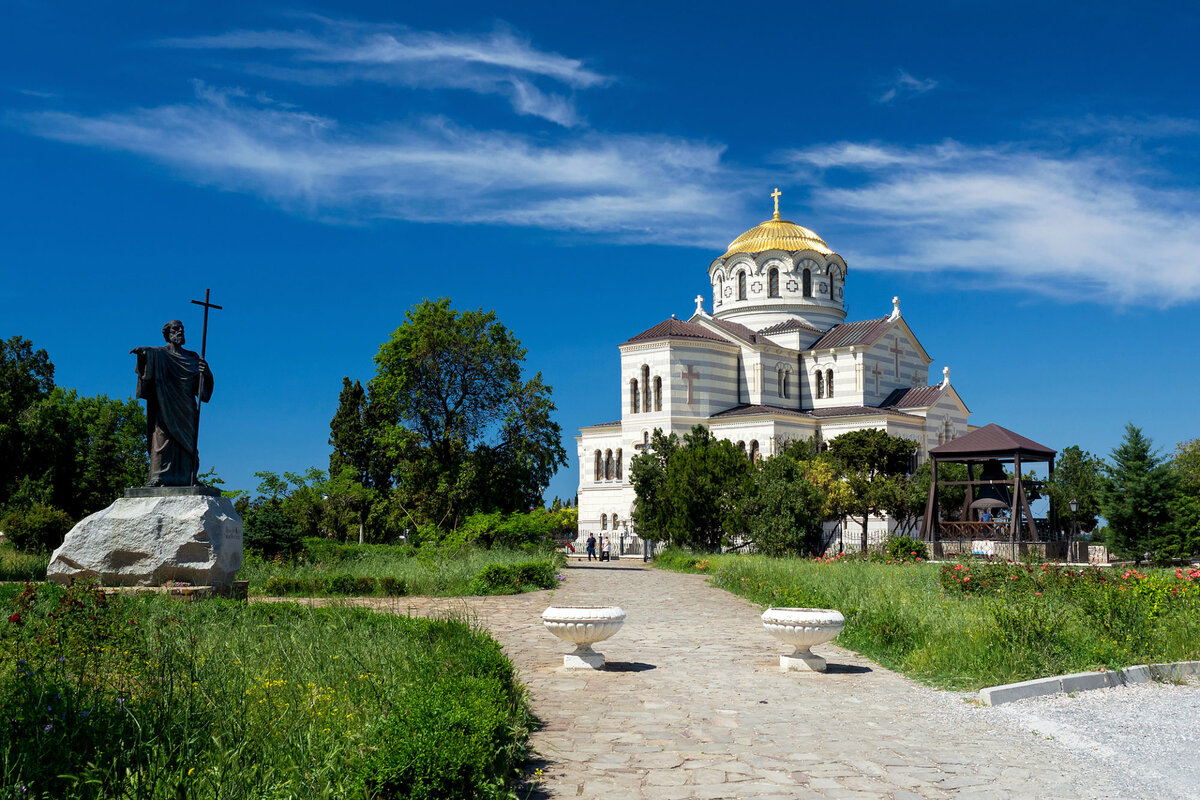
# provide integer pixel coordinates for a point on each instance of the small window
(634, 397)
(608, 465)
(808, 283)
(657, 393)
(773, 282)
(615, 524)
(741, 286)
(829, 383)
(646, 383)
(604, 522)
(820, 384)
(618, 464)
(742, 447)
(754, 455)
(599, 467)
(779, 379)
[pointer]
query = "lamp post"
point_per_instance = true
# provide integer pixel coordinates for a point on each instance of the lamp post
(1074, 505)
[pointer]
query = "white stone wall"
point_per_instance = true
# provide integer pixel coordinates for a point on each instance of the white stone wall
(760, 310)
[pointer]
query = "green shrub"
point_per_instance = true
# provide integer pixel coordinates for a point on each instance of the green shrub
(38, 529)
(350, 585)
(513, 578)
(905, 548)
(393, 586)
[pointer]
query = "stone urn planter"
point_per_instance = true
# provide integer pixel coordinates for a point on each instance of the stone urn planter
(583, 626)
(802, 628)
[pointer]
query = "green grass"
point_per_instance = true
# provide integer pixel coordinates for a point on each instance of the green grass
(1025, 623)
(17, 566)
(146, 697)
(398, 570)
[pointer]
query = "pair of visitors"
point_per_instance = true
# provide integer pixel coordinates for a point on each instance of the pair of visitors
(591, 546)
(606, 550)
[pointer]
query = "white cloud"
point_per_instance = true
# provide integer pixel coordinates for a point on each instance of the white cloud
(1071, 226)
(631, 188)
(904, 86)
(338, 52)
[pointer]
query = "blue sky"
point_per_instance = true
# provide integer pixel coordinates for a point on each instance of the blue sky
(1022, 175)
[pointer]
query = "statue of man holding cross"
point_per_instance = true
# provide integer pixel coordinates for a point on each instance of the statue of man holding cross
(172, 380)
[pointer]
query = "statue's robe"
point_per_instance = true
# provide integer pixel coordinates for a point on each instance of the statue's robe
(169, 382)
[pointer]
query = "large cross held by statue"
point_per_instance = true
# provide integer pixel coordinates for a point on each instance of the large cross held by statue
(203, 347)
(690, 376)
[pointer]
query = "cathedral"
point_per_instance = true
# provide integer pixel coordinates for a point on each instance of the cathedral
(774, 362)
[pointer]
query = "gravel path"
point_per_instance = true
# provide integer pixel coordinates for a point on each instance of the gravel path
(1145, 736)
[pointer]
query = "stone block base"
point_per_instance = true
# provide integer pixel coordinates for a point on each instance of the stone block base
(591, 660)
(802, 662)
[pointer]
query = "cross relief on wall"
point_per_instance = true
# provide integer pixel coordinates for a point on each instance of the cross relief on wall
(792, 286)
(690, 374)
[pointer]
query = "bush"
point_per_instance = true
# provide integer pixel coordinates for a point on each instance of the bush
(905, 548)
(39, 529)
(350, 585)
(269, 531)
(392, 586)
(513, 578)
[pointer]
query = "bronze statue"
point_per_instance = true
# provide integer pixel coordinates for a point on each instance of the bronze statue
(173, 382)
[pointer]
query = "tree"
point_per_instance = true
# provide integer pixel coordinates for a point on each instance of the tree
(706, 481)
(648, 475)
(1136, 495)
(26, 377)
(357, 463)
(1078, 475)
(1185, 508)
(863, 458)
(784, 510)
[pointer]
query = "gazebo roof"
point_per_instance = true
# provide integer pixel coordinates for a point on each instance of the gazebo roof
(992, 441)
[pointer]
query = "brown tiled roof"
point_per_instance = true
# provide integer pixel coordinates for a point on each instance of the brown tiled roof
(992, 440)
(737, 329)
(817, 413)
(788, 326)
(675, 329)
(849, 333)
(916, 397)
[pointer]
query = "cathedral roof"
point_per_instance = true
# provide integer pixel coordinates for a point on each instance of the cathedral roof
(848, 333)
(675, 329)
(777, 234)
(787, 326)
(916, 397)
(737, 329)
(819, 413)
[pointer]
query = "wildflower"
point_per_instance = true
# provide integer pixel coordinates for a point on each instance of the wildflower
(48, 726)
(15, 618)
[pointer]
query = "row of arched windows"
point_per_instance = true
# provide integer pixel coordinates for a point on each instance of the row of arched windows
(754, 454)
(824, 384)
(641, 394)
(607, 467)
(773, 283)
(604, 520)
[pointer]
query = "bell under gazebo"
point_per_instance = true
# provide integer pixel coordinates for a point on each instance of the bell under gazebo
(996, 519)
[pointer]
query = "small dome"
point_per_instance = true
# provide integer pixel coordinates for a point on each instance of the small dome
(777, 234)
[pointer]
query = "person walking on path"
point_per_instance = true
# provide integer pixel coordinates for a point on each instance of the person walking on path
(591, 545)
(606, 550)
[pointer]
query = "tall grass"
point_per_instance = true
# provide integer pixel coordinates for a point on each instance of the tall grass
(907, 619)
(144, 697)
(18, 566)
(398, 570)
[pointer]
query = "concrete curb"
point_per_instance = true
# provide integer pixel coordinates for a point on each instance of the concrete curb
(1085, 681)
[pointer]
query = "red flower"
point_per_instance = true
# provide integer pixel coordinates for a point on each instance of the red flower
(15, 617)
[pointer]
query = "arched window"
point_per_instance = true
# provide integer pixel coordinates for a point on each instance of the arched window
(598, 472)
(754, 451)
(779, 378)
(741, 286)
(604, 522)
(949, 431)
(615, 524)
(807, 282)
(646, 383)
(820, 384)
(657, 393)
(829, 383)
(618, 463)
(634, 397)
(608, 465)
(742, 447)
(773, 282)
(833, 279)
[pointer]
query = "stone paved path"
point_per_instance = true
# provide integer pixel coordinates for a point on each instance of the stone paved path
(694, 705)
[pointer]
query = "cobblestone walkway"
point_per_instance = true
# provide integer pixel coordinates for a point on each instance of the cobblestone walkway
(693, 705)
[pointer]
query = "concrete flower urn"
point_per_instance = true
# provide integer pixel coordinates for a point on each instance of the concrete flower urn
(802, 628)
(583, 626)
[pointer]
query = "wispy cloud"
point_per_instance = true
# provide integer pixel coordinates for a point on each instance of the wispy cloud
(335, 52)
(628, 187)
(904, 86)
(1074, 226)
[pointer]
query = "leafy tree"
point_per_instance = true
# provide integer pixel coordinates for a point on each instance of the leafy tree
(461, 429)
(706, 480)
(37, 529)
(1185, 508)
(1078, 475)
(357, 462)
(1136, 496)
(651, 512)
(864, 459)
(784, 509)
(949, 497)
(26, 377)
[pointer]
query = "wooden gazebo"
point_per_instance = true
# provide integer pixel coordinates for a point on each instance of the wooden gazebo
(991, 443)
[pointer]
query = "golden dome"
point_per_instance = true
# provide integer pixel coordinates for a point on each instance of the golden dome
(777, 234)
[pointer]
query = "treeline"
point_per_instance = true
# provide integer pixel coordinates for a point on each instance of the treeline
(62, 455)
(702, 492)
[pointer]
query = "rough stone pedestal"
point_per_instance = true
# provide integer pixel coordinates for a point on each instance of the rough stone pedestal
(806, 661)
(583, 658)
(153, 535)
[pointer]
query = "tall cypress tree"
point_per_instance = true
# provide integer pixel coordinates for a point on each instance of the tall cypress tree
(1136, 496)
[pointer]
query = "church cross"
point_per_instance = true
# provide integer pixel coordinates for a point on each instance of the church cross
(689, 375)
(876, 371)
(776, 194)
(897, 351)
(645, 443)
(203, 349)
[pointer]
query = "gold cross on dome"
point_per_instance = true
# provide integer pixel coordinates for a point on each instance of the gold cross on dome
(776, 194)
